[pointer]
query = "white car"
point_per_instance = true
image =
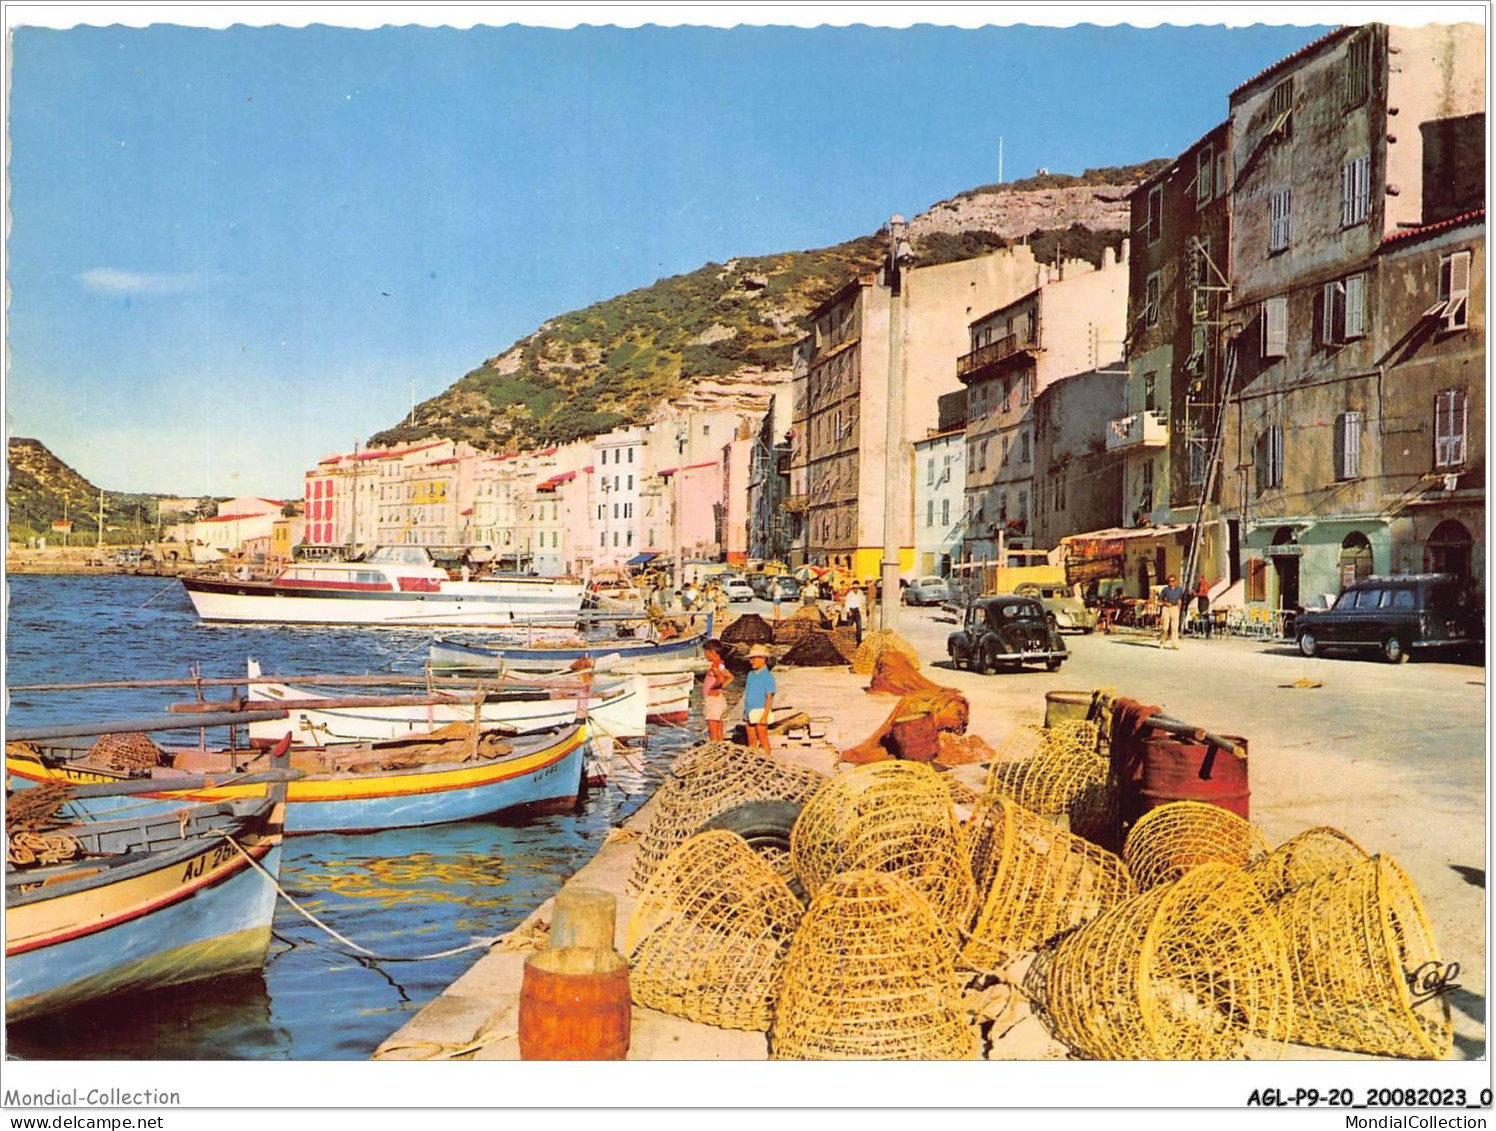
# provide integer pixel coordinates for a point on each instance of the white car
(737, 589)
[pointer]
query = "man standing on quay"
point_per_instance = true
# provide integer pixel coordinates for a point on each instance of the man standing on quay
(1171, 596)
(854, 605)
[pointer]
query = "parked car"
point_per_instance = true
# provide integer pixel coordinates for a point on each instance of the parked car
(1395, 616)
(927, 591)
(1068, 609)
(789, 588)
(737, 589)
(759, 583)
(1006, 630)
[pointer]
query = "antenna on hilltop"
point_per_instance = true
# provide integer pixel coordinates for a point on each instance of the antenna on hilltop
(999, 158)
(410, 419)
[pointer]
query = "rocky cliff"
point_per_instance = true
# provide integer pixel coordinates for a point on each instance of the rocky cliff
(721, 336)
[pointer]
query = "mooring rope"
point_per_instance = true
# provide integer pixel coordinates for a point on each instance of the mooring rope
(476, 944)
(170, 585)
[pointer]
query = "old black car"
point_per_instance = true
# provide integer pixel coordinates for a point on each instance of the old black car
(1393, 616)
(1006, 631)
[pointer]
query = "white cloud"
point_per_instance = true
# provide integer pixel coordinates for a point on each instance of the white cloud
(113, 281)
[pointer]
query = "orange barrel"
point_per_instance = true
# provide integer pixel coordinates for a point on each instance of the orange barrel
(1066, 707)
(574, 1005)
(915, 737)
(1175, 770)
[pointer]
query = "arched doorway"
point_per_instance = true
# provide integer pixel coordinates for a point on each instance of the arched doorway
(1355, 559)
(1448, 549)
(1286, 565)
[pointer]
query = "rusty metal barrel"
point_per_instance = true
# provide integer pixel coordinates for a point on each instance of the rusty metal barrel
(1177, 769)
(574, 1005)
(1066, 707)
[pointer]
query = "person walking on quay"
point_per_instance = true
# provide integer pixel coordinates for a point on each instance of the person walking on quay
(855, 603)
(1202, 604)
(1171, 597)
(758, 698)
(714, 703)
(776, 594)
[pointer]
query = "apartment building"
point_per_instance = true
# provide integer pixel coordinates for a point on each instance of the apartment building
(1329, 168)
(1178, 292)
(769, 524)
(841, 440)
(1077, 478)
(939, 501)
(1071, 321)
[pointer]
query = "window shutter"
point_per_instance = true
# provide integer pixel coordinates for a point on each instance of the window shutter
(1340, 447)
(1459, 275)
(1443, 403)
(1347, 194)
(1204, 164)
(1355, 306)
(1275, 327)
(1259, 462)
(1331, 313)
(1456, 427)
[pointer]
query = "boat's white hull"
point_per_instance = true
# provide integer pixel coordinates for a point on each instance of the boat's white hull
(473, 604)
(618, 712)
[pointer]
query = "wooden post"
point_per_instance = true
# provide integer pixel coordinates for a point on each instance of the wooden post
(583, 917)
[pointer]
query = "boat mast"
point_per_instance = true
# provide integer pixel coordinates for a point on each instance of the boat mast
(99, 543)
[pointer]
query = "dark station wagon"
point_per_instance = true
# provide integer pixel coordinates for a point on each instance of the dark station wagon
(1006, 631)
(1394, 616)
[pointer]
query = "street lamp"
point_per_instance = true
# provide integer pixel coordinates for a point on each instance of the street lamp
(895, 474)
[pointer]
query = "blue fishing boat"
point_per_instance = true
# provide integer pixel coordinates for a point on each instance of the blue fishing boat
(96, 908)
(449, 653)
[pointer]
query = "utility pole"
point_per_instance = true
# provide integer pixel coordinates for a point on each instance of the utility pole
(895, 473)
(99, 539)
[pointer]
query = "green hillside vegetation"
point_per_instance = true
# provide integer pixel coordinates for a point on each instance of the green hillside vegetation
(42, 490)
(613, 362)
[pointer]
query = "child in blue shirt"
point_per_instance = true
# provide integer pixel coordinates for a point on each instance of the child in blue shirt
(758, 698)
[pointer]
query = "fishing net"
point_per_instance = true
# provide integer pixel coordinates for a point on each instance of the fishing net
(870, 975)
(845, 638)
(1187, 971)
(1174, 838)
(895, 674)
(874, 644)
(1033, 881)
(35, 808)
(814, 649)
(962, 795)
(893, 817)
(750, 628)
(1366, 971)
(706, 780)
(1058, 771)
(708, 937)
(962, 749)
(948, 711)
(1302, 860)
(121, 753)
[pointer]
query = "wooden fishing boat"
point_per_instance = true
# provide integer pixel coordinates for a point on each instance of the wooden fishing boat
(449, 653)
(615, 709)
(96, 908)
(392, 585)
(454, 774)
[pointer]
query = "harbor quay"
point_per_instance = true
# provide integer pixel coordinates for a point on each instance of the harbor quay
(1391, 756)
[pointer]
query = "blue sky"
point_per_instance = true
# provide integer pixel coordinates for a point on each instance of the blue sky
(232, 251)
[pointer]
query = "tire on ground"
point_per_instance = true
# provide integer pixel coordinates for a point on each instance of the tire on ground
(766, 826)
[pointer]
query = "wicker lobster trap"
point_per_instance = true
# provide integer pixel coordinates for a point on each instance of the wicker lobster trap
(1173, 839)
(895, 817)
(1186, 971)
(1034, 881)
(708, 936)
(870, 975)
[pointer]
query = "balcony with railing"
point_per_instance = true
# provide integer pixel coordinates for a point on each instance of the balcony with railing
(994, 353)
(1146, 429)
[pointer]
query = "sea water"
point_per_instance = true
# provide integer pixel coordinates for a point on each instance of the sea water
(403, 892)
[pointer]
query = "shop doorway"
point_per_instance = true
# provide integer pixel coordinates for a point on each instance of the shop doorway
(1287, 568)
(1448, 550)
(1355, 559)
